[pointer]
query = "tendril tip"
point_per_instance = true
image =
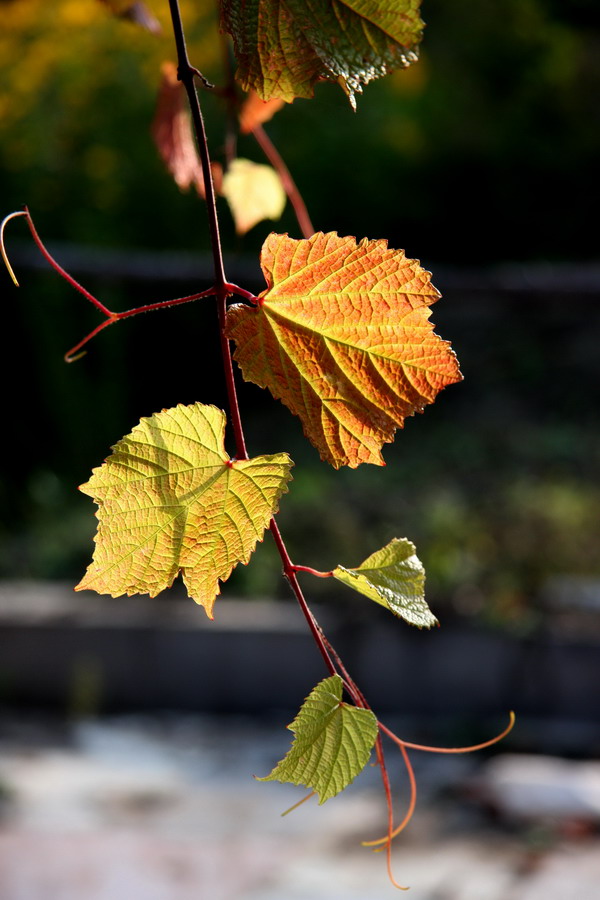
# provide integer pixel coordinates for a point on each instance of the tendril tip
(13, 215)
(73, 357)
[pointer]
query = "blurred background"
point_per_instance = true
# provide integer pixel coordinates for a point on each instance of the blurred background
(481, 160)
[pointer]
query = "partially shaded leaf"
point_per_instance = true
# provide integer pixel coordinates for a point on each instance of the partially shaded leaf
(171, 500)
(255, 111)
(172, 133)
(332, 744)
(254, 192)
(394, 577)
(283, 47)
(342, 336)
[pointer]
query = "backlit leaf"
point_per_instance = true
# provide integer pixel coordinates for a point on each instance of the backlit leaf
(283, 47)
(332, 744)
(172, 133)
(342, 336)
(394, 577)
(170, 500)
(254, 192)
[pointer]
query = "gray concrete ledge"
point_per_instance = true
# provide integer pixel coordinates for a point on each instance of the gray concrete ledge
(67, 650)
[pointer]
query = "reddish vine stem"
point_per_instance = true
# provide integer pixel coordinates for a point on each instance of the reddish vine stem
(77, 352)
(234, 407)
(289, 185)
(390, 808)
(360, 700)
(386, 842)
(290, 573)
(58, 268)
(164, 304)
(312, 571)
(111, 317)
(235, 289)
(349, 683)
(186, 74)
(73, 354)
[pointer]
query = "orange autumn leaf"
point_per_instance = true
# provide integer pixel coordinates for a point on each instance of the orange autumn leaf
(255, 111)
(342, 336)
(172, 133)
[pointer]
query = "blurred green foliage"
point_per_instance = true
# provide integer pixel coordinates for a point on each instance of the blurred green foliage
(77, 98)
(485, 150)
(482, 150)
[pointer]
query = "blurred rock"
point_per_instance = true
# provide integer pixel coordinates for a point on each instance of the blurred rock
(527, 788)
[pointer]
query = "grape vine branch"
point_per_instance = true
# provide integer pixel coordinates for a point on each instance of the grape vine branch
(378, 382)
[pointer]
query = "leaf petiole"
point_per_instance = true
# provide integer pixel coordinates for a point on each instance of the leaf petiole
(312, 571)
(240, 292)
(289, 185)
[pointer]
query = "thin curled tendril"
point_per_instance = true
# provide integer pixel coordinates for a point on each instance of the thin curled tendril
(5, 221)
(381, 843)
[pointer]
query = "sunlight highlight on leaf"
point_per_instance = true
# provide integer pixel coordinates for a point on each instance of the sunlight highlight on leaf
(395, 578)
(254, 192)
(170, 500)
(332, 743)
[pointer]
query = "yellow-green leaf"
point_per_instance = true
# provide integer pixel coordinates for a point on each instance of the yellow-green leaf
(170, 499)
(254, 192)
(283, 47)
(394, 577)
(332, 744)
(342, 336)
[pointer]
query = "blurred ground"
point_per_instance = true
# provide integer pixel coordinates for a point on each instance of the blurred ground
(144, 808)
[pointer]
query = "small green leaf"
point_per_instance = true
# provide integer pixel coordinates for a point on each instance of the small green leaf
(332, 745)
(394, 577)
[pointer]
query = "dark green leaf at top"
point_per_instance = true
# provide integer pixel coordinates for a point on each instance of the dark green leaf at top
(283, 47)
